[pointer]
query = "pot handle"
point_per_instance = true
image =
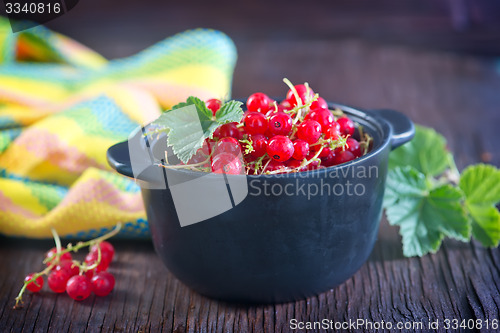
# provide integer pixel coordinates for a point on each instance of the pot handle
(119, 158)
(403, 129)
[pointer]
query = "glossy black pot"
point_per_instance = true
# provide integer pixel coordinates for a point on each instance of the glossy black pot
(297, 236)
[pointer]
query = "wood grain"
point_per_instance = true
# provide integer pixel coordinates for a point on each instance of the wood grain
(458, 95)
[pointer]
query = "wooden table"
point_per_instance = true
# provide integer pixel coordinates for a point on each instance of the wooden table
(457, 95)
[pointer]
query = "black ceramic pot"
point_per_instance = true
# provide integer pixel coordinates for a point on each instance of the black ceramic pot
(291, 236)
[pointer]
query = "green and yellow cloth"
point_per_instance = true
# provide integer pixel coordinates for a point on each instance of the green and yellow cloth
(62, 105)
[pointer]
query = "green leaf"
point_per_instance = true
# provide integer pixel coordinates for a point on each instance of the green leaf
(481, 186)
(190, 123)
(425, 214)
(426, 152)
(229, 112)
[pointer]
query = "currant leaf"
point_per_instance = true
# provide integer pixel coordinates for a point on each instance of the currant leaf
(425, 214)
(481, 186)
(426, 152)
(229, 112)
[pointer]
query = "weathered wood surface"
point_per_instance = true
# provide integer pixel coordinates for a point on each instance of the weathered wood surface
(458, 95)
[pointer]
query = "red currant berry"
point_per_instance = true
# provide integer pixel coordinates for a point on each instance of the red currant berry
(332, 132)
(255, 123)
(346, 126)
(259, 144)
(103, 283)
(293, 163)
(314, 164)
(57, 280)
(213, 105)
(343, 156)
(320, 103)
(329, 160)
(302, 91)
(107, 251)
(280, 148)
(300, 149)
(280, 123)
(36, 285)
(309, 131)
(353, 147)
(228, 145)
(274, 166)
(79, 287)
(92, 257)
(323, 116)
(259, 102)
(52, 252)
(226, 130)
(227, 163)
(68, 266)
(324, 152)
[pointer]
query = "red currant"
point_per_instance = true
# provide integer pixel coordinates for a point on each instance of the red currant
(280, 148)
(79, 287)
(227, 163)
(274, 166)
(346, 126)
(92, 257)
(300, 149)
(52, 252)
(103, 283)
(107, 251)
(323, 116)
(259, 144)
(343, 156)
(302, 91)
(332, 132)
(314, 164)
(68, 266)
(213, 105)
(324, 152)
(309, 131)
(57, 280)
(329, 160)
(353, 147)
(36, 285)
(259, 102)
(320, 103)
(228, 145)
(280, 123)
(226, 130)
(255, 123)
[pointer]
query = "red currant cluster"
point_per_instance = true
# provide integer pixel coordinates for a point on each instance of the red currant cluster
(300, 133)
(78, 279)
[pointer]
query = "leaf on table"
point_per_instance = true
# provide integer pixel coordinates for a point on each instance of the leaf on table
(426, 152)
(481, 186)
(424, 214)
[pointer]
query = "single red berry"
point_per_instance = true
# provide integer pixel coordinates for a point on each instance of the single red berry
(57, 280)
(280, 123)
(79, 287)
(300, 149)
(92, 257)
(309, 131)
(320, 103)
(68, 266)
(107, 251)
(323, 116)
(226, 130)
(255, 123)
(259, 144)
(227, 163)
(213, 105)
(259, 102)
(280, 148)
(228, 145)
(103, 283)
(343, 156)
(329, 160)
(314, 164)
(294, 164)
(302, 91)
(52, 252)
(332, 132)
(346, 126)
(274, 166)
(353, 147)
(36, 285)
(324, 152)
